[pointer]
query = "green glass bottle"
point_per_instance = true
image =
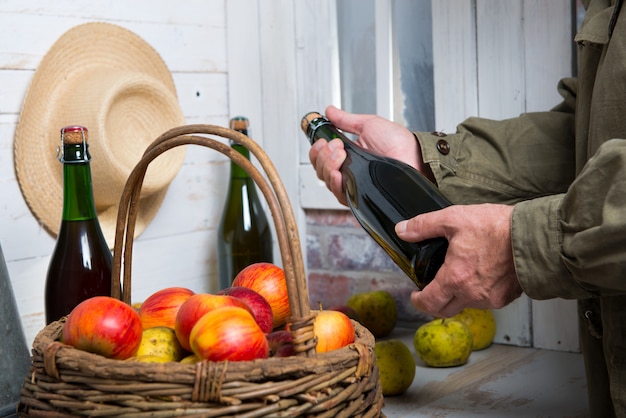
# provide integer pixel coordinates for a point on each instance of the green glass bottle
(382, 191)
(80, 266)
(244, 235)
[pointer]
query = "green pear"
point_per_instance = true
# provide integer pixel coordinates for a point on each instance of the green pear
(377, 311)
(396, 366)
(443, 342)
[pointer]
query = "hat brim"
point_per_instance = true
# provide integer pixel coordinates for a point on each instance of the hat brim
(117, 140)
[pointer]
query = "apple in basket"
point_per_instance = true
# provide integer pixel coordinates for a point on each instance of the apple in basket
(281, 343)
(268, 280)
(333, 330)
(228, 333)
(105, 326)
(195, 307)
(261, 309)
(161, 307)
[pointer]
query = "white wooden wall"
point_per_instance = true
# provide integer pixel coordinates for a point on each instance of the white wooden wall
(178, 247)
(272, 61)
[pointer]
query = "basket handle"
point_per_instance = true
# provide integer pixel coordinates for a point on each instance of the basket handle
(274, 193)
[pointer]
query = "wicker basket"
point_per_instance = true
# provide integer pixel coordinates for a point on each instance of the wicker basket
(65, 382)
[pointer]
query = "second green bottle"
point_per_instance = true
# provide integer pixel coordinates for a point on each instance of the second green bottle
(244, 235)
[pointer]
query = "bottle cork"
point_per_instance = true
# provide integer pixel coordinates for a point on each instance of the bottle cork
(74, 135)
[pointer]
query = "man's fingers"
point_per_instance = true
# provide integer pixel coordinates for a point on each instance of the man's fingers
(433, 299)
(425, 226)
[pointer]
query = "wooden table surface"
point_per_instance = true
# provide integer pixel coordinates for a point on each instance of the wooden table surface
(500, 381)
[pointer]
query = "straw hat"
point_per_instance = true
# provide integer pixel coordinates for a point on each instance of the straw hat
(110, 80)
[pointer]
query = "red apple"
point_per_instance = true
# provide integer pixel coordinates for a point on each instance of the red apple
(350, 312)
(281, 343)
(261, 309)
(105, 326)
(195, 307)
(268, 280)
(228, 333)
(333, 330)
(161, 307)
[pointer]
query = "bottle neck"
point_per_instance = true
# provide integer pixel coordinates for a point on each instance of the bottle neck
(237, 172)
(78, 202)
(322, 128)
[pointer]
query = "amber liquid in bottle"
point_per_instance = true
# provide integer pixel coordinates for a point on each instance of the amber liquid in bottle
(80, 266)
(382, 191)
(244, 235)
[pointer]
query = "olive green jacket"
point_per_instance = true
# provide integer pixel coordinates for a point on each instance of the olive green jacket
(564, 169)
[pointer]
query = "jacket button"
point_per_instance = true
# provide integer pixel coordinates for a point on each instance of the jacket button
(443, 147)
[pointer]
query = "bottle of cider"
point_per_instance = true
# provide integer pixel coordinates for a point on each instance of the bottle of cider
(382, 191)
(244, 236)
(80, 266)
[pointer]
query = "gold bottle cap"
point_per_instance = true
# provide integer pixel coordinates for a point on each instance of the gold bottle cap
(239, 123)
(306, 120)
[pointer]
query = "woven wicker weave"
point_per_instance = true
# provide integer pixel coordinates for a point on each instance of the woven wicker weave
(68, 382)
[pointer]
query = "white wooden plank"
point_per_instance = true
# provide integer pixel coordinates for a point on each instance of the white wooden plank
(184, 259)
(27, 279)
(318, 86)
(555, 325)
(384, 61)
(313, 192)
(202, 94)
(14, 85)
(501, 88)
(190, 12)
(279, 88)
(244, 65)
(455, 62)
(178, 45)
(20, 234)
(514, 323)
(317, 62)
(549, 50)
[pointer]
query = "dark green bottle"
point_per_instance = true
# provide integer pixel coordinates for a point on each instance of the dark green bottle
(244, 235)
(381, 192)
(80, 266)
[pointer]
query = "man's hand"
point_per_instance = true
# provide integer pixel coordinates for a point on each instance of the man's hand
(478, 271)
(376, 134)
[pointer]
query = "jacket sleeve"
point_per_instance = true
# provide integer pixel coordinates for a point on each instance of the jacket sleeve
(506, 161)
(568, 230)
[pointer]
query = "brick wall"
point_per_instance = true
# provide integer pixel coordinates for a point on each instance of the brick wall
(342, 260)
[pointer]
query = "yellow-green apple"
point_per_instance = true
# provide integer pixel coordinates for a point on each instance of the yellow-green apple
(195, 307)
(333, 330)
(280, 343)
(268, 280)
(161, 307)
(377, 311)
(105, 326)
(260, 307)
(228, 333)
